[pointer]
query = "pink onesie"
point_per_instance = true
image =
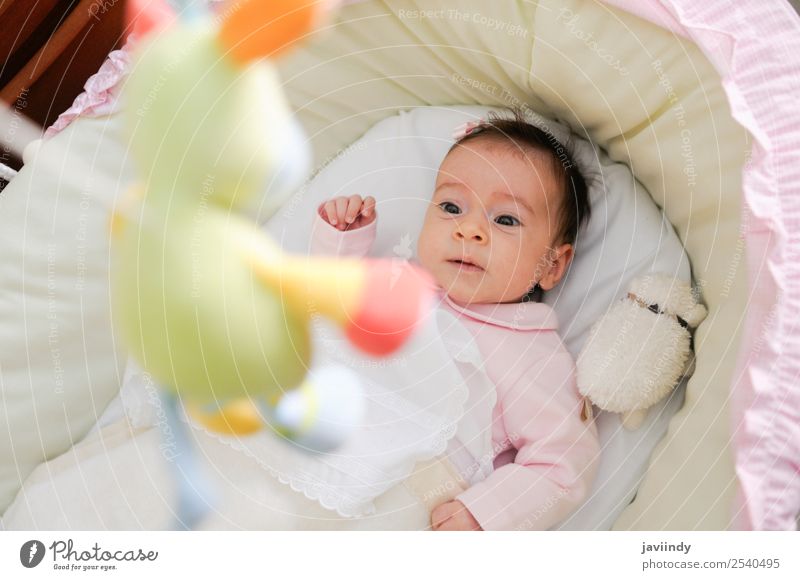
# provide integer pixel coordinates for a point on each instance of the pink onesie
(545, 456)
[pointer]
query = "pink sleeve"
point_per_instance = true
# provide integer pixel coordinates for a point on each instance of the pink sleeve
(327, 240)
(556, 453)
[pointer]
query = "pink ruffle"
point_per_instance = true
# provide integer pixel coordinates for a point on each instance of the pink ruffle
(100, 91)
(755, 47)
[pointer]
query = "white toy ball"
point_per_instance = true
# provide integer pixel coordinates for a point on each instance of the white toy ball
(322, 413)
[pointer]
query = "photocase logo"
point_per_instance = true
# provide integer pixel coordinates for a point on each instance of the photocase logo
(31, 553)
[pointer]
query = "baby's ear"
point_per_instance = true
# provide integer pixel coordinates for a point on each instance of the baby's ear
(557, 262)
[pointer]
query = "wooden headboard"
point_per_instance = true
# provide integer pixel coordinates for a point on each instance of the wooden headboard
(49, 48)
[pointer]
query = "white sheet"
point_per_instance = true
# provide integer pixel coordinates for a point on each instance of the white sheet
(118, 478)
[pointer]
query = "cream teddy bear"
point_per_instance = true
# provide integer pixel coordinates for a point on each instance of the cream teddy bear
(641, 348)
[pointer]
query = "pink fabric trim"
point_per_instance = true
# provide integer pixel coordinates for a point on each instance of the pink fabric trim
(755, 47)
(100, 95)
(531, 316)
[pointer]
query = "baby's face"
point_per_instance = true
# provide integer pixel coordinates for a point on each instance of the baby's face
(487, 236)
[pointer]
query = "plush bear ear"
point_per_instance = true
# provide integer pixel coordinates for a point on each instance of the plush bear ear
(696, 315)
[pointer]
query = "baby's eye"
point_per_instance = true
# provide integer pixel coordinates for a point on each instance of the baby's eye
(450, 207)
(507, 220)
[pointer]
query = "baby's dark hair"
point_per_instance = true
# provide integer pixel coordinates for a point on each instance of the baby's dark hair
(520, 133)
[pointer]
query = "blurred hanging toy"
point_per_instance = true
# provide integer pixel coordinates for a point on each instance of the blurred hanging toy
(639, 351)
(205, 301)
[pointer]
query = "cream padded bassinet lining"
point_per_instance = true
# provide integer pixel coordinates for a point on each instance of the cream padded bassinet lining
(650, 98)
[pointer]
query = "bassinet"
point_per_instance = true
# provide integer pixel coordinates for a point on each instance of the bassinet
(695, 98)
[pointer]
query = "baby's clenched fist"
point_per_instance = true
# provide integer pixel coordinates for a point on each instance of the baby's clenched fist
(349, 213)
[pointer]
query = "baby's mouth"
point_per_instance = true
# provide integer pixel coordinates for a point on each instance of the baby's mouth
(466, 265)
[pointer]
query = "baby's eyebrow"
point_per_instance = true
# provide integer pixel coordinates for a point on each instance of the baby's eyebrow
(446, 184)
(516, 199)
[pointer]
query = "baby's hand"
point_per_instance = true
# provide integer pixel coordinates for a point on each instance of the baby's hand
(349, 213)
(453, 516)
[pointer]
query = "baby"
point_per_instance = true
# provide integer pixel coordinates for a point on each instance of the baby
(500, 230)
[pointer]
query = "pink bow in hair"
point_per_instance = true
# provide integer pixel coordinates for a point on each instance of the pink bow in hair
(466, 128)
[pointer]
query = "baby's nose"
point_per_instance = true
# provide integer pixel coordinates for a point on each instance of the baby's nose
(470, 231)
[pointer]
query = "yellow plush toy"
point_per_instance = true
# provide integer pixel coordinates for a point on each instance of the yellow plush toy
(204, 300)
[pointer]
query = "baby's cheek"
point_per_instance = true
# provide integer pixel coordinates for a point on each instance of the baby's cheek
(519, 271)
(422, 254)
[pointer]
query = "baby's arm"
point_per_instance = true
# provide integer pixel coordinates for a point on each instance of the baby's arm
(344, 226)
(556, 453)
